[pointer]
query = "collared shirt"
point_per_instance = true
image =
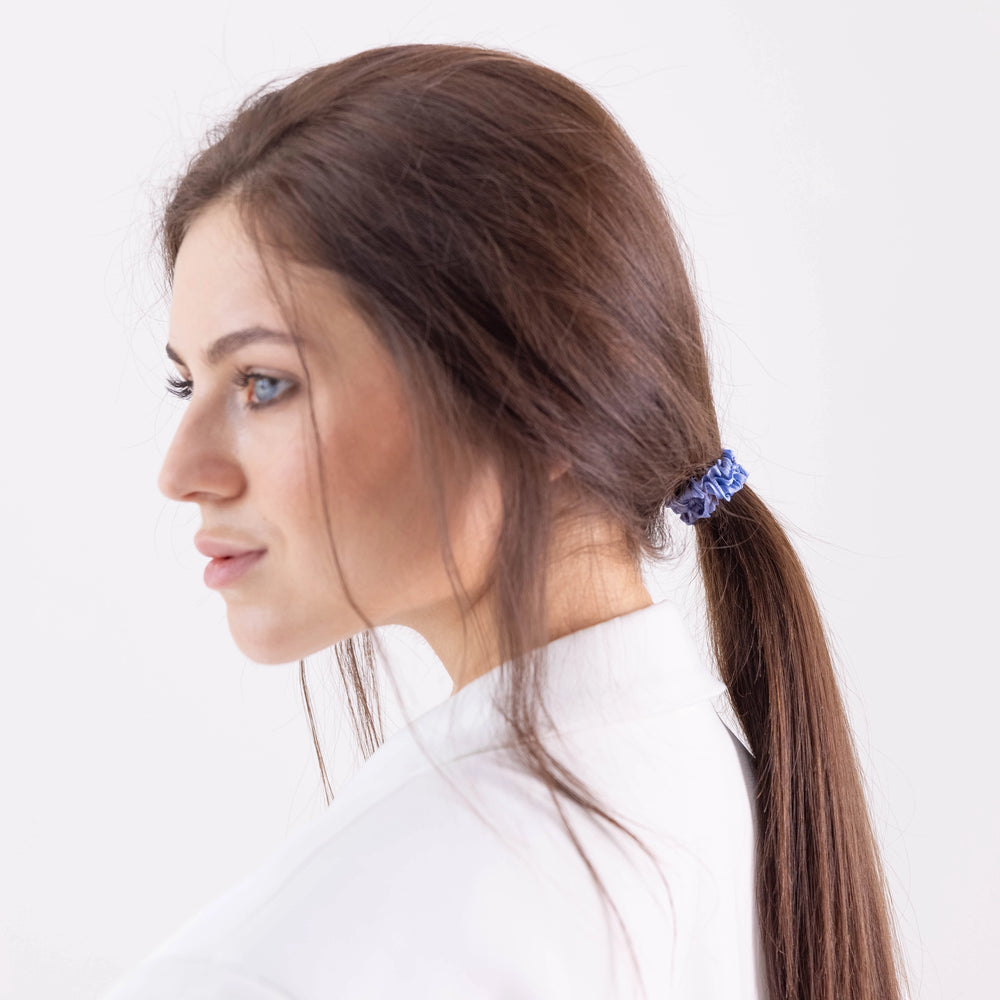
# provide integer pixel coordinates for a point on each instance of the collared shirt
(456, 880)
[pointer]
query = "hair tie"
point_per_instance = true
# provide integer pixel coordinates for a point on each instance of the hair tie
(702, 495)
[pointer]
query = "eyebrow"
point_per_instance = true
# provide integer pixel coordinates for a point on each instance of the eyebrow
(233, 342)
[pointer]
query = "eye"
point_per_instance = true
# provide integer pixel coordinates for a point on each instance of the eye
(241, 379)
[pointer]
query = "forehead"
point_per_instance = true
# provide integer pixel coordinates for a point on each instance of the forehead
(219, 282)
(221, 285)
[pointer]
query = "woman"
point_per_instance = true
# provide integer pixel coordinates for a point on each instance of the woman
(445, 370)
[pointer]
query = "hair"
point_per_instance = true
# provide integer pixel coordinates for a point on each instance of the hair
(503, 236)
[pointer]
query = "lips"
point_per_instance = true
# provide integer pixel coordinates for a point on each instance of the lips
(217, 547)
(224, 572)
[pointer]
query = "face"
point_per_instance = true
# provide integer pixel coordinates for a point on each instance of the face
(246, 455)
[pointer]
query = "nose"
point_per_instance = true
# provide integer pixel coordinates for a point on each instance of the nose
(200, 464)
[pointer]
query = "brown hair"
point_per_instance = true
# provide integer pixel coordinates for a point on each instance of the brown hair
(513, 253)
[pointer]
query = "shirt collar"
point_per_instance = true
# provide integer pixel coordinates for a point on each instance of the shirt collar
(641, 663)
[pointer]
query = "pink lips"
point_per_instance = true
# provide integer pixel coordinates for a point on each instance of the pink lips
(230, 560)
(226, 570)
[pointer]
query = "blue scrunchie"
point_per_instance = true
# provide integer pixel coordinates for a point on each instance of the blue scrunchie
(702, 496)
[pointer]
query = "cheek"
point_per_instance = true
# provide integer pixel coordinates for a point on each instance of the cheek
(377, 489)
(286, 476)
(381, 511)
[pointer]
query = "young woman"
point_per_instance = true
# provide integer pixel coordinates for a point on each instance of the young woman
(444, 369)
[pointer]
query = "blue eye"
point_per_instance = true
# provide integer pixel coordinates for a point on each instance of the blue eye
(264, 385)
(182, 387)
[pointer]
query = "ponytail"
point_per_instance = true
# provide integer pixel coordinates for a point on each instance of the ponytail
(822, 898)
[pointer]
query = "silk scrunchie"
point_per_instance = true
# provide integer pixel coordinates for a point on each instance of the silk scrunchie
(702, 496)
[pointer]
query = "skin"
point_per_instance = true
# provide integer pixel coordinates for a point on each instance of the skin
(253, 475)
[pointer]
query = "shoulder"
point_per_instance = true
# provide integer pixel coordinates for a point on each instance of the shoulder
(449, 885)
(436, 890)
(466, 883)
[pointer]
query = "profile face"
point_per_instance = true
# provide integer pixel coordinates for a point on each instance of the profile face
(253, 471)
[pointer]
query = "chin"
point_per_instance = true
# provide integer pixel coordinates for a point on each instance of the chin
(266, 656)
(265, 638)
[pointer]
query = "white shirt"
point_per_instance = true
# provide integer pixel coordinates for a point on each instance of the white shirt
(400, 891)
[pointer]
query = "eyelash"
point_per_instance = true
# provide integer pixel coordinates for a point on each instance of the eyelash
(181, 387)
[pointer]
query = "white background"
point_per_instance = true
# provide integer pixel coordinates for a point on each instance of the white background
(834, 172)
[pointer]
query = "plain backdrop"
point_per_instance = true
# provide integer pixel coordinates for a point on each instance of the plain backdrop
(833, 170)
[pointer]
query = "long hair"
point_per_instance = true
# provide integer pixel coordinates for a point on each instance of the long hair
(513, 253)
